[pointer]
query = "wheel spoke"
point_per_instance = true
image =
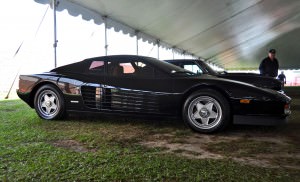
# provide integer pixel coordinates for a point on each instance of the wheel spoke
(52, 98)
(213, 115)
(43, 104)
(54, 106)
(197, 115)
(48, 110)
(199, 106)
(209, 106)
(46, 98)
(205, 121)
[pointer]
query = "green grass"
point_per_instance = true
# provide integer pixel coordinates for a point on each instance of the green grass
(107, 149)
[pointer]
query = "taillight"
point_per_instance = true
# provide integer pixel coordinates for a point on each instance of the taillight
(287, 109)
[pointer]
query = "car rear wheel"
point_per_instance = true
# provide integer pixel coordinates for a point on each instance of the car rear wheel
(206, 111)
(49, 103)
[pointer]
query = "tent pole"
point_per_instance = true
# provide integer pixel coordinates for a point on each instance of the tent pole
(173, 52)
(137, 42)
(105, 34)
(55, 32)
(158, 49)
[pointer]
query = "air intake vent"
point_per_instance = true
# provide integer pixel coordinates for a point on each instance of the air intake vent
(91, 96)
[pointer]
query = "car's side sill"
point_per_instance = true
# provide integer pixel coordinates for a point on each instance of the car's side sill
(259, 120)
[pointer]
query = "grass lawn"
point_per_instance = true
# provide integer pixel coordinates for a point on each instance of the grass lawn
(120, 149)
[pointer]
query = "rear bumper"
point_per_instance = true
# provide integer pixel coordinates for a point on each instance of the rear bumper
(260, 120)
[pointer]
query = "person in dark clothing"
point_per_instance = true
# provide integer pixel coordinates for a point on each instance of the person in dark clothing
(282, 78)
(269, 66)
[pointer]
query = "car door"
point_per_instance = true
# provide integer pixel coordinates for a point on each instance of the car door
(137, 87)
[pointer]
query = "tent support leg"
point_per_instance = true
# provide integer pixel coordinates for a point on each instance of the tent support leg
(55, 3)
(137, 42)
(173, 53)
(158, 41)
(105, 35)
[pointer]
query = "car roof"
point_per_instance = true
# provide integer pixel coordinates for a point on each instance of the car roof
(181, 60)
(164, 66)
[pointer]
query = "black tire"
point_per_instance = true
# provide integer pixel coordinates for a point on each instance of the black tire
(49, 103)
(206, 111)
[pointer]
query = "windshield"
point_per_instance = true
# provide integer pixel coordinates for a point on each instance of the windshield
(193, 65)
(207, 68)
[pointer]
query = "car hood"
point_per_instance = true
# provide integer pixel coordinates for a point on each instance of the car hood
(255, 79)
(237, 89)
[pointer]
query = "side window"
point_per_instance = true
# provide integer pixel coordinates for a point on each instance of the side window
(128, 68)
(144, 70)
(118, 69)
(137, 69)
(97, 67)
(193, 67)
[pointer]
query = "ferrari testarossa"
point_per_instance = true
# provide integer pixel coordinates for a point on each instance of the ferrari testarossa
(136, 85)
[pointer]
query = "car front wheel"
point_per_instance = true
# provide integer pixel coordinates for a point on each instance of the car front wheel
(49, 103)
(206, 111)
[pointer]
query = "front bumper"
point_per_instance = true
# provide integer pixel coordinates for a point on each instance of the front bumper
(25, 97)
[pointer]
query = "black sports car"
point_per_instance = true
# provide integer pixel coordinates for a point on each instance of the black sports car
(198, 66)
(145, 86)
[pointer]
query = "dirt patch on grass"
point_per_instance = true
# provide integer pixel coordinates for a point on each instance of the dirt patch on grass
(191, 146)
(72, 145)
(270, 152)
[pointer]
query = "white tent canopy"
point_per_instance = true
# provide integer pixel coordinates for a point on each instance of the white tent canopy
(234, 34)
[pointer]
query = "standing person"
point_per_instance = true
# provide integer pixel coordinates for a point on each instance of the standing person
(269, 66)
(282, 78)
